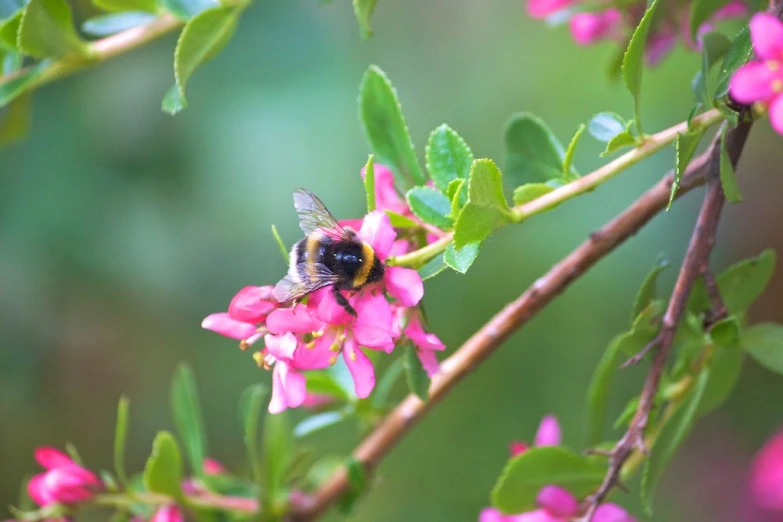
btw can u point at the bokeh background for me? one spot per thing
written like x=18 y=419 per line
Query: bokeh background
x=122 y=227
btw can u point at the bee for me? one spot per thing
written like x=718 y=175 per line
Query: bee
x=328 y=255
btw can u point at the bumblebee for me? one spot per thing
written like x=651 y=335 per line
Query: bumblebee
x=328 y=255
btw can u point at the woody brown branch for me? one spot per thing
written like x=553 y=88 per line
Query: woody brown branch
x=483 y=343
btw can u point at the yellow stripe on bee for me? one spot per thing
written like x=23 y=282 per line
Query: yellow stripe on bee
x=368 y=255
x=313 y=244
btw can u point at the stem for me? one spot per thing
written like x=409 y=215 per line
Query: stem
x=99 y=51
x=202 y=500
x=586 y=183
x=483 y=343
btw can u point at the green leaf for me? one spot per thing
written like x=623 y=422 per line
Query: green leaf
x=457 y=193
x=644 y=328
x=278 y=451
x=460 y=260
x=448 y=157
x=725 y=368
x=524 y=475
x=486 y=209
x=714 y=47
x=532 y=152
x=742 y=283
x=369 y=183
x=685 y=145
x=384 y=124
x=415 y=375
x=728 y=178
x=187 y=9
x=46 y=31
x=173 y=102
x=188 y=418
x=598 y=392
x=203 y=37
x=764 y=342
x=647 y=292
x=400 y=221
x=72 y=452
x=318 y=422
x=363 y=10
x=569 y=173
x=624 y=139
x=701 y=11
x=738 y=54
x=9 y=29
x=431 y=206
x=606 y=125
x=150 y=6
x=633 y=59
x=250 y=405
x=433 y=267
x=16 y=121
x=16 y=87
x=726 y=331
x=671 y=437
x=163 y=472
x=120 y=437
x=381 y=392
x=530 y=191
x=324 y=383
x=113 y=23
x=357 y=480
x=280 y=244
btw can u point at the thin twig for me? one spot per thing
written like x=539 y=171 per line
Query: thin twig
x=483 y=343
x=696 y=262
x=718 y=308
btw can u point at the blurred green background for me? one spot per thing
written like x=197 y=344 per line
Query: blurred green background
x=121 y=228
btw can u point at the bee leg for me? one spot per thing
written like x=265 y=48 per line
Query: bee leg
x=342 y=301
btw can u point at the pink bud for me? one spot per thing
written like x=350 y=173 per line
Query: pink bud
x=548 y=433
x=557 y=501
x=517 y=448
x=766 y=476
x=50 y=458
x=588 y=28
x=213 y=467
x=612 y=513
x=169 y=513
x=544 y=8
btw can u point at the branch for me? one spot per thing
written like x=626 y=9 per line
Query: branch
x=483 y=343
x=695 y=263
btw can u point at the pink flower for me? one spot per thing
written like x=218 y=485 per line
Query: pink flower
x=386 y=195
x=64 y=481
x=249 y=307
x=548 y=433
x=588 y=28
x=544 y=8
x=168 y=513
x=659 y=43
x=316 y=400
x=426 y=344
x=762 y=80
x=766 y=476
x=213 y=467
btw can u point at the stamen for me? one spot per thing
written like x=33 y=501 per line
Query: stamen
x=244 y=345
x=259 y=358
x=310 y=345
x=335 y=347
x=332 y=360
x=352 y=355
x=777 y=85
x=773 y=65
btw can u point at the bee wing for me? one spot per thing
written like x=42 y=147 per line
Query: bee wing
x=293 y=286
x=314 y=216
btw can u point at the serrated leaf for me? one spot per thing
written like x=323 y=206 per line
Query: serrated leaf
x=742 y=283
x=486 y=209
x=113 y=23
x=15 y=124
x=598 y=391
x=318 y=422
x=633 y=59
x=685 y=145
x=363 y=10
x=569 y=173
x=251 y=404
x=530 y=191
x=606 y=125
x=188 y=417
x=163 y=472
x=47 y=31
x=701 y=11
x=384 y=124
x=369 y=183
x=120 y=437
x=149 y=6
x=532 y=152
x=714 y=47
x=187 y=9
x=9 y=29
x=415 y=375
x=431 y=206
x=461 y=260
x=738 y=54
x=448 y=157
x=278 y=451
x=524 y=475
x=692 y=114
x=624 y=139
x=400 y=221
x=647 y=292
x=457 y=193
x=728 y=177
x=764 y=342
x=16 y=87
x=203 y=37
x=670 y=438
x=433 y=267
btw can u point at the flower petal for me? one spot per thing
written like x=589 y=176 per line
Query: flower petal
x=318 y=354
x=386 y=195
x=491 y=515
x=518 y=448
x=37 y=491
x=50 y=458
x=404 y=284
x=297 y=320
x=544 y=8
x=223 y=324
x=252 y=304
x=329 y=311
x=281 y=346
x=373 y=326
x=751 y=83
x=378 y=232
x=612 y=513
x=294 y=385
x=277 y=403
x=658 y=46
x=558 y=502
x=213 y=467
x=766 y=475
x=766 y=33
x=360 y=367
x=776 y=114
x=539 y=515
x=588 y=28
x=169 y=513
x=429 y=361
x=422 y=339
x=548 y=433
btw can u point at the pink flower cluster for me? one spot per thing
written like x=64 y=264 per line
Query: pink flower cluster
x=766 y=476
x=613 y=24
x=761 y=81
x=311 y=336
x=555 y=504
x=63 y=482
